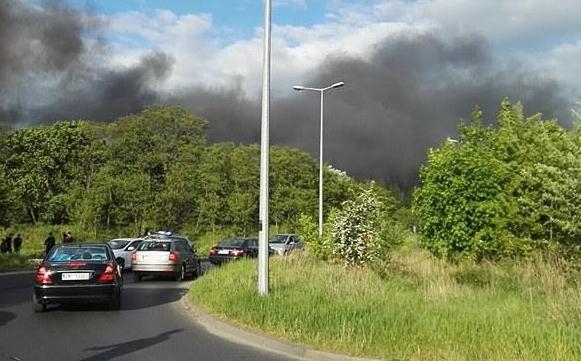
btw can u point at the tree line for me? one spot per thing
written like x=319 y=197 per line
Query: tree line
x=152 y=170
x=507 y=189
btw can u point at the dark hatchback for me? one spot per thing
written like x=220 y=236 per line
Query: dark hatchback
x=78 y=272
x=230 y=249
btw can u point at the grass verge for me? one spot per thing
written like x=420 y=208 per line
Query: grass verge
x=423 y=310
x=18 y=262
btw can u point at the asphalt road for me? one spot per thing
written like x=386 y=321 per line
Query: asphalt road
x=152 y=325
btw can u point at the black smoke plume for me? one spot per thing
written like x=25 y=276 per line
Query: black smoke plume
x=408 y=95
x=53 y=65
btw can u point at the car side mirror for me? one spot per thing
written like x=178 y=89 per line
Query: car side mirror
x=130 y=248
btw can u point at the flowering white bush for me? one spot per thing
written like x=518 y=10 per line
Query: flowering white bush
x=356 y=231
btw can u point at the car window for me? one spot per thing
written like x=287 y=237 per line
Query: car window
x=118 y=243
x=253 y=243
x=231 y=242
x=135 y=243
x=155 y=245
x=279 y=238
x=181 y=246
x=65 y=254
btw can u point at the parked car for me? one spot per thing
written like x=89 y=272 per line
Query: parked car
x=284 y=244
x=78 y=272
x=165 y=255
x=234 y=248
x=122 y=248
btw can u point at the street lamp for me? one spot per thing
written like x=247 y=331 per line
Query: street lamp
x=321 y=91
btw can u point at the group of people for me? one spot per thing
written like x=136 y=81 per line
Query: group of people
x=50 y=241
x=9 y=241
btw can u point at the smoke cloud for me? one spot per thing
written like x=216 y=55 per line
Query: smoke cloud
x=407 y=96
x=53 y=67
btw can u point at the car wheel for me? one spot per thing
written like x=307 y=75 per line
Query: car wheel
x=136 y=277
x=115 y=303
x=181 y=275
x=38 y=307
x=197 y=270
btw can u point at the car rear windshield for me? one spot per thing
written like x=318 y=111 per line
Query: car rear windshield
x=278 y=239
x=65 y=254
x=118 y=243
x=155 y=246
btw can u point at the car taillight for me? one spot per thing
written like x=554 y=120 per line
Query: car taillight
x=237 y=252
x=109 y=275
x=173 y=257
x=43 y=276
x=213 y=252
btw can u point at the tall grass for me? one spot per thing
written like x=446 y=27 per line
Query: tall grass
x=420 y=309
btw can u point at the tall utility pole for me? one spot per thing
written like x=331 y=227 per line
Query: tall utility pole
x=264 y=152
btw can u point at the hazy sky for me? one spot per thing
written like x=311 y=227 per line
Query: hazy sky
x=413 y=69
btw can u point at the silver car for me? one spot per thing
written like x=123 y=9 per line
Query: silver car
x=122 y=248
x=283 y=244
x=163 y=255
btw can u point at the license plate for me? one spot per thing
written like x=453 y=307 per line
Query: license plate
x=223 y=251
x=76 y=276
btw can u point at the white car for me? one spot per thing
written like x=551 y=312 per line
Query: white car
x=122 y=248
x=283 y=244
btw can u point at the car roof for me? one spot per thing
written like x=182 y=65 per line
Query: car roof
x=125 y=239
x=81 y=245
x=162 y=237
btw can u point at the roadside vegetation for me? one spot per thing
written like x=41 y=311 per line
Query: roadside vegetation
x=423 y=309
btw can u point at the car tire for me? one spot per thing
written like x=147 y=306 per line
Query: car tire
x=181 y=274
x=197 y=272
x=38 y=307
x=137 y=277
x=115 y=303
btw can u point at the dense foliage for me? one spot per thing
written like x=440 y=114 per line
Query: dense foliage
x=502 y=191
x=152 y=170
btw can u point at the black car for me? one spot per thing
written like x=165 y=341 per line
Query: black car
x=78 y=272
x=230 y=249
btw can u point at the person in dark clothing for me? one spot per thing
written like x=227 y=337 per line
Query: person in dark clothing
x=17 y=243
x=49 y=243
x=3 y=246
x=8 y=243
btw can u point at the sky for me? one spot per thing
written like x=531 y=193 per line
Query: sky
x=413 y=70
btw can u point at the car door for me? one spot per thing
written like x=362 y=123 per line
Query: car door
x=253 y=247
x=186 y=253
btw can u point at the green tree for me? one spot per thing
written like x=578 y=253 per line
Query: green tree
x=500 y=191
x=41 y=163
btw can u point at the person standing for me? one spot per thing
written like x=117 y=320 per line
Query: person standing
x=8 y=241
x=49 y=243
x=17 y=243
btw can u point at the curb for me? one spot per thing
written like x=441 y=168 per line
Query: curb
x=224 y=329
